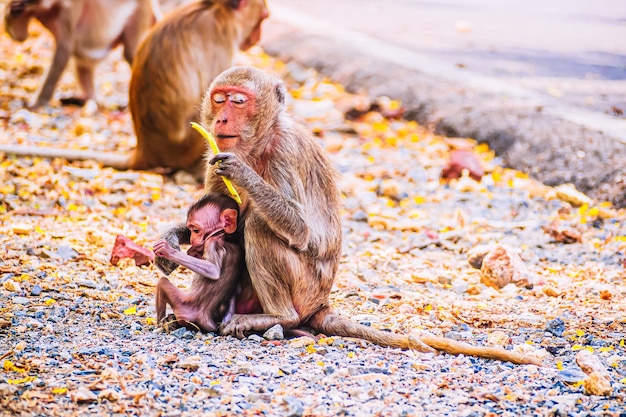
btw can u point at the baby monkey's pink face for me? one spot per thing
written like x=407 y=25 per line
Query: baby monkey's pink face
x=209 y=222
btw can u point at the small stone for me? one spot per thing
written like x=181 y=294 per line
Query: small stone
x=255 y=338
x=87 y=283
x=569 y=193
x=295 y=408
x=556 y=327
x=551 y=291
x=11 y=285
x=572 y=375
x=598 y=384
x=34 y=323
x=109 y=394
x=498 y=338
x=300 y=342
x=191 y=363
x=83 y=395
x=20 y=300
x=36 y=290
x=359 y=216
x=274 y=333
x=598 y=381
x=66 y=252
x=6 y=390
x=22 y=228
x=503 y=266
x=406 y=309
x=180 y=332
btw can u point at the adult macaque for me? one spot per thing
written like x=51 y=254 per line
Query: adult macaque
x=84 y=29
x=290 y=214
x=172 y=68
x=216 y=257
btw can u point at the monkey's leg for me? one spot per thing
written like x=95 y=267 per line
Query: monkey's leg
x=165 y=291
x=85 y=75
x=187 y=312
x=271 y=268
x=59 y=62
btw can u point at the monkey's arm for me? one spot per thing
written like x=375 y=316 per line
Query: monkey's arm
x=174 y=236
x=278 y=207
x=200 y=266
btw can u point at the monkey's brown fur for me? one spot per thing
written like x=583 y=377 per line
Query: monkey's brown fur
x=290 y=214
x=216 y=245
x=83 y=30
x=173 y=66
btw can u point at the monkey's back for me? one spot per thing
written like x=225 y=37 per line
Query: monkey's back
x=173 y=66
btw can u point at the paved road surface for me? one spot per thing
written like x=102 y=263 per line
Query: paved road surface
x=544 y=83
x=574 y=50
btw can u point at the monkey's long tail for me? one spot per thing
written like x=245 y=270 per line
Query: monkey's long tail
x=113 y=160
x=329 y=323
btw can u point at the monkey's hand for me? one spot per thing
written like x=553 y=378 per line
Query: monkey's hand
x=175 y=236
x=163 y=250
x=233 y=168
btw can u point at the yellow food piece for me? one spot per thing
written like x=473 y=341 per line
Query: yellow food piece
x=216 y=150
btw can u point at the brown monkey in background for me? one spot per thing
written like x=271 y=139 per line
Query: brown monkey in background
x=216 y=257
x=173 y=66
x=84 y=29
x=290 y=214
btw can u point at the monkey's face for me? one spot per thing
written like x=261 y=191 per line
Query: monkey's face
x=233 y=108
x=209 y=223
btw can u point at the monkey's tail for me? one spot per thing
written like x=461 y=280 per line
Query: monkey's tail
x=327 y=322
x=109 y=159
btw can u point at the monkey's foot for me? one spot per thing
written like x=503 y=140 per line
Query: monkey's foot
x=73 y=101
x=170 y=323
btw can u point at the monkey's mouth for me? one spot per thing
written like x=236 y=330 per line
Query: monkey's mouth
x=227 y=141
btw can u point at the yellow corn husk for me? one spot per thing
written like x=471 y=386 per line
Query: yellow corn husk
x=216 y=150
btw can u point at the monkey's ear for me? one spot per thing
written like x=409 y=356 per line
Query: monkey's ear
x=281 y=92
x=229 y=220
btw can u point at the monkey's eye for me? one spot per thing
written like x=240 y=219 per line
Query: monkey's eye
x=219 y=98
x=238 y=98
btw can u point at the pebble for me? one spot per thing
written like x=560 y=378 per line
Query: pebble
x=83 y=395
x=555 y=327
x=21 y=300
x=36 y=290
x=255 y=338
x=274 y=333
x=12 y=286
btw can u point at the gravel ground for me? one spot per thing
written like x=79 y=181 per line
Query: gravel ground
x=77 y=334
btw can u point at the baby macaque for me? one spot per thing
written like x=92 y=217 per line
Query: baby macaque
x=217 y=258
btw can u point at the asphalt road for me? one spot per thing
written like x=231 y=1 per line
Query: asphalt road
x=571 y=50
x=543 y=83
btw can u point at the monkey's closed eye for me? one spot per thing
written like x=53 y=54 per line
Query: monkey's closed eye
x=219 y=98
x=238 y=98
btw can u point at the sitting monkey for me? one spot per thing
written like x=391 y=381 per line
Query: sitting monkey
x=216 y=257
